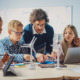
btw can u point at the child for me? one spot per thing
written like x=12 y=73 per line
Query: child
x=6 y=56
x=70 y=40
x=12 y=43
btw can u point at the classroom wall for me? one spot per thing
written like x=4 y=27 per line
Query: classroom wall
x=7 y=4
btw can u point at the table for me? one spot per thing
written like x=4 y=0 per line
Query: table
x=44 y=73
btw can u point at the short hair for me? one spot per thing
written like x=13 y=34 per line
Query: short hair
x=14 y=23
x=0 y=19
x=37 y=15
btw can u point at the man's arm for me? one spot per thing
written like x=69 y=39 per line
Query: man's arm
x=49 y=41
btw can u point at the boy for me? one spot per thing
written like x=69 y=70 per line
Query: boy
x=12 y=43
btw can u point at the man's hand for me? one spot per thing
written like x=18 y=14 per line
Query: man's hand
x=5 y=58
x=47 y=56
x=27 y=57
x=41 y=57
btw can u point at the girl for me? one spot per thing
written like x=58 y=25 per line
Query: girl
x=71 y=39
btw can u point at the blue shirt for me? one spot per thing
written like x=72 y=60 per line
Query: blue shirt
x=45 y=38
x=13 y=50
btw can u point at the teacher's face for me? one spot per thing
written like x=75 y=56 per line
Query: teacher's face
x=39 y=26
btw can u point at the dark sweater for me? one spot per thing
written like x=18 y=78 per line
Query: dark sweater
x=41 y=38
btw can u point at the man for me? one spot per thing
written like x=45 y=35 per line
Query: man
x=6 y=56
x=44 y=33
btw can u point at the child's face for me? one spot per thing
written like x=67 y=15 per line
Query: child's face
x=16 y=34
x=69 y=35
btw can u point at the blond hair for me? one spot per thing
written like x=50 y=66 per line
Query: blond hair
x=14 y=23
x=64 y=42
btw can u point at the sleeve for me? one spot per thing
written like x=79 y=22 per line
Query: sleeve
x=49 y=41
x=2 y=50
x=21 y=52
x=18 y=57
x=27 y=35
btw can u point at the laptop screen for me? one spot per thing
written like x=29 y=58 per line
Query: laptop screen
x=72 y=56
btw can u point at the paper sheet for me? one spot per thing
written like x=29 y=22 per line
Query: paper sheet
x=76 y=69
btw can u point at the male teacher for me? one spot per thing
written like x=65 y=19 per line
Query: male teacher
x=44 y=33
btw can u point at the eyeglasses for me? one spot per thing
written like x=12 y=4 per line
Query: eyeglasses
x=39 y=25
x=17 y=33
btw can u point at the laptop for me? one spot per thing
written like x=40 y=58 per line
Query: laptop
x=72 y=56
x=7 y=70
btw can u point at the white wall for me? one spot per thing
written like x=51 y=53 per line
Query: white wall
x=5 y=4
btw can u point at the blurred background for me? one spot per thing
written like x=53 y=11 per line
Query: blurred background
x=60 y=13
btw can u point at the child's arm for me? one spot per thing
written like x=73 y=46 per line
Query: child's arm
x=5 y=58
x=54 y=53
x=1 y=64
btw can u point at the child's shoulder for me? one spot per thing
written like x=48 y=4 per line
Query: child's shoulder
x=22 y=41
x=5 y=40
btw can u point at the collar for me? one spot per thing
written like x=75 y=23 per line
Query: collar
x=10 y=42
x=34 y=31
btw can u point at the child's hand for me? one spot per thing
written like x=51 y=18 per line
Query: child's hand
x=27 y=57
x=5 y=58
x=77 y=41
x=54 y=54
x=59 y=42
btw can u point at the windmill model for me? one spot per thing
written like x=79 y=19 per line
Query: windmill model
x=59 y=50
x=31 y=46
x=58 y=55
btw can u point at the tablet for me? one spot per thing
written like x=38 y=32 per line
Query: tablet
x=50 y=65
x=7 y=70
x=72 y=56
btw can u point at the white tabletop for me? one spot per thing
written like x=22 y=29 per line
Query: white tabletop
x=44 y=73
